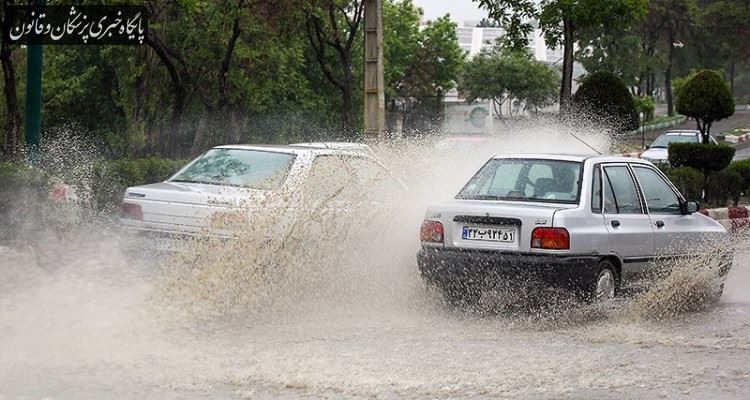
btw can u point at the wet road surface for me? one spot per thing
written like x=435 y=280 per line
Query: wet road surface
x=87 y=324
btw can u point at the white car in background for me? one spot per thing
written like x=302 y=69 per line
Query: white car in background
x=585 y=222
x=658 y=151
x=238 y=180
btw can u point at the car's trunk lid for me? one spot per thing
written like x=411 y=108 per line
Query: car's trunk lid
x=469 y=224
x=191 y=207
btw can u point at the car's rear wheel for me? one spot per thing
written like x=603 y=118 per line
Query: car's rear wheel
x=605 y=285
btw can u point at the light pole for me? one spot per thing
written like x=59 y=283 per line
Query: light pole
x=643 y=130
x=33 y=114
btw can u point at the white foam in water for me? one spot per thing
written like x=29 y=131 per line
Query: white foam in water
x=339 y=311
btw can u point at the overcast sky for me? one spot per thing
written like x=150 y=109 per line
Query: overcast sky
x=459 y=10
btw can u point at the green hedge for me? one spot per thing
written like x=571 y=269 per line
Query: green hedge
x=689 y=181
x=24 y=199
x=723 y=186
x=704 y=157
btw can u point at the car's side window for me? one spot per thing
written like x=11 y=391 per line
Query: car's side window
x=329 y=179
x=596 y=191
x=660 y=198
x=620 y=194
x=368 y=172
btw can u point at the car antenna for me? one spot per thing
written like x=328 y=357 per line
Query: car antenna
x=587 y=145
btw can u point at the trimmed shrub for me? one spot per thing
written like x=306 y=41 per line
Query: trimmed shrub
x=604 y=97
x=706 y=98
x=704 y=157
x=689 y=181
x=724 y=185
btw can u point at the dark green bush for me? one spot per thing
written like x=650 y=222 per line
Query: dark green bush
x=24 y=197
x=604 y=97
x=111 y=178
x=704 y=157
x=724 y=185
x=689 y=181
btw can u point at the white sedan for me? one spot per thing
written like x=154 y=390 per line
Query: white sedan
x=658 y=151
x=241 y=180
x=586 y=222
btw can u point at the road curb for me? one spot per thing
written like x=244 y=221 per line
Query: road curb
x=735 y=139
x=733 y=218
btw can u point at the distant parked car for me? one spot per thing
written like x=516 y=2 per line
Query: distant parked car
x=232 y=181
x=583 y=222
x=658 y=150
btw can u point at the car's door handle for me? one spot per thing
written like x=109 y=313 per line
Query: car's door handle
x=659 y=224
x=615 y=223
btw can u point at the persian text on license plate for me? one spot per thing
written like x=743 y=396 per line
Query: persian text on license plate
x=502 y=235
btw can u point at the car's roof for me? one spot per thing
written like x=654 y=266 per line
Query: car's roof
x=314 y=148
x=573 y=157
x=682 y=132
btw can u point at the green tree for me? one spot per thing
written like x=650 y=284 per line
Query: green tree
x=401 y=42
x=725 y=28
x=560 y=21
x=334 y=26
x=12 y=126
x=420 y=64
x=604 y=98
x=501 y=74
x=675 y=18
x=706 y=98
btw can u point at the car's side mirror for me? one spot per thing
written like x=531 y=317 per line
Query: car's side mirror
x=691 y=207
x=648 y=146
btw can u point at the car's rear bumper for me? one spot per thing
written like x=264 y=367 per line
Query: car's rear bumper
x=451 y=267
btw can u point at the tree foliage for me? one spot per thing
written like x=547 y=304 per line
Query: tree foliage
x=421 y=64
x=604 y=98
x=503 y=74
x=706 y=98
x=560 y=20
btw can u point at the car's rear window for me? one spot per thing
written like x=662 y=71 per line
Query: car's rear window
x=665 y=140
x=255 y=169
x=538 y=180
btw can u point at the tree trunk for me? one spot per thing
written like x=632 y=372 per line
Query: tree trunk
x=731 y=76
x=668 y=75
x=347 y=99
x=179 y=91
x=567 y=72
x=13 y=122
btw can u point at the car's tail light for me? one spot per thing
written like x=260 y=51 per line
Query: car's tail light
x=431 y=231
x=550 y=238
x=131 y=211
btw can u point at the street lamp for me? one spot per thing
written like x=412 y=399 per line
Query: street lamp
x=643 y=130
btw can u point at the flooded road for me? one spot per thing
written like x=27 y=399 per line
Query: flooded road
x=91 y=316
x=89 y=326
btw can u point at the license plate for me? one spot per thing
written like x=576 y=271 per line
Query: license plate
x=486 y=234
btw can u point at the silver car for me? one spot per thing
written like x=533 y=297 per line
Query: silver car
x=589 y=222
x=230 y=184
x=658 y=151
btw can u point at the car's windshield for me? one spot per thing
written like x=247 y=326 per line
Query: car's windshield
x=663 y=141
x=263 y=170
x=525 y=180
